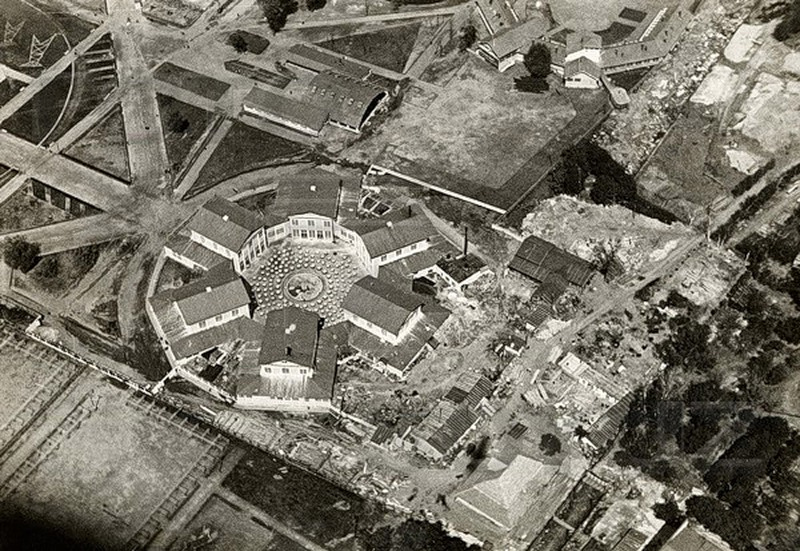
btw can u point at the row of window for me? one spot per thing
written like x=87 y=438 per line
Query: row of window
x=312 y=234
x=284 y=370
x=218 y=319
x=311 y=223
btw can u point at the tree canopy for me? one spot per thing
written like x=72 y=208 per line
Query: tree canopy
x=537 y=60
x=277 y=12
x=20 y=254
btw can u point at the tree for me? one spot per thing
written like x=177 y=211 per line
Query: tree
x=178 y=123
x=537 y=60
x=468 y=36
x=277 y=11
x=314 y=5
x=20 y=254
x=550 y=444
x=790 y=24
x=238 y=42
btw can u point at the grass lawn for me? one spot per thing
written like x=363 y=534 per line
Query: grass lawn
x=55 y=273
x=259 y=203
x=104 y=146
x=201 y=85
x=243 y=149
x=34 y=120
x=183 y=126
x=111 y=473
x=22 y=211
x=310 y=505
x=388 y=48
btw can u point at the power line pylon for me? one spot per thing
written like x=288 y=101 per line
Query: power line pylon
x=10 y=32
x=38 y=49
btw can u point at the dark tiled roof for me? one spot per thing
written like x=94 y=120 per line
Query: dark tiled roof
x=290 y=334
x=607 y=426
x=580 y=40
x=452 y=422
x=225 y=223
x=346 y=99
x=461 y=268
x=195 y=252
x=310 y=191
x=538 y=315
x=298 y=112
x=537 y=259
x=243 y=329
x=380 y=303
x=219 y=291
x=582 y=65
x=319 y=59
x=386 y=239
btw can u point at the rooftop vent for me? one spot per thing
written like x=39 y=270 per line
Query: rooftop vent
x=313 y=188
x=208 y=289
x=289 y=330
x=225 y=217
x=388 y=224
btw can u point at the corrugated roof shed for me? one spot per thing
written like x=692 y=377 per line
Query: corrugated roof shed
x=381 y=303
x=225 y=223
x=219 y=291
x=389 y=238
x=346 y=99
x=310 y=191
x=537 y=259
x=298 y=112
x=313 y=58
x=445 y=425
x=470 y=388
x=461 y=268
x=290 y=335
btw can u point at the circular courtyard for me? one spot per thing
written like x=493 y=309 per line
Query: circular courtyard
x=314 y=277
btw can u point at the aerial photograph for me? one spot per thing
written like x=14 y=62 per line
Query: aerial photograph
x=400 y=275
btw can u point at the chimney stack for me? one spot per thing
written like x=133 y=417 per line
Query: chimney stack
x=466 y=239
x=208 y=289
x=288 y=351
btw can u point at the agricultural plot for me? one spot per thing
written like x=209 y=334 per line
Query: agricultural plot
x=109 y=466
x=104 y=146
x=312 y=506
x=388 y=48
x=32 y=375
x=243 y=149
x=196 y=83
x=183 y=126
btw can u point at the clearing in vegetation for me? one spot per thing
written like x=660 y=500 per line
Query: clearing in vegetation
x=243 y=149
x=104 y=146
x=387 y=48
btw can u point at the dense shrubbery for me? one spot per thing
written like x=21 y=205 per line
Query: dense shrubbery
x=748 y=181
x=277 y=12
x=790 y=24
x=20 y=254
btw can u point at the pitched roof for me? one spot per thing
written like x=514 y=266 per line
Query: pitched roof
x=537 y=259
x=225 y=223
x=381 y=303
x=320 y=58
x=219 y=291
x=185 y=247
x=461 y=268
x=579 y=40
x=389 y=238
x=244 y=329
x=309 y=191
x=693 y=538
x=291 y=335
x=582 y=65
x=470 y=388
x=348 y=100
x=503 y=498
x=445 y=425
x=298 y=112
x=518 y=37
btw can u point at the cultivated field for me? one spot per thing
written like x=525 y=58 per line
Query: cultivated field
x=110 y=467
x=388 y=48
x=478 y=128
x=201 y=85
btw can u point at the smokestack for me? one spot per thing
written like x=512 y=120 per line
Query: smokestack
x=409 y=211
x=466 y=240
x=288 y=351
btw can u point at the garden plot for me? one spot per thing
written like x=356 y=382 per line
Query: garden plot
x=104 y=146
x=388 y=48
x=110 y=473
x=183 y=126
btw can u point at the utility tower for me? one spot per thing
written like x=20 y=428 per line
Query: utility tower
x=38 y=49
x=10 y=33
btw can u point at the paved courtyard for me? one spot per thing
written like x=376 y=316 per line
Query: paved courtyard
x=309 y=275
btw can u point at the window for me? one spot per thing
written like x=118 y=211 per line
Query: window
x=320 y=234
x=303 y=371
x=285 y=370
x=295 y=233
x=383 y=258
x=294 y=222
x=218 y=318
x=311 y=223
x=267 y=370
x=327 y=223
x=202 y=324
x=303 y=234
x=398 y=253
x=327 y=235
x=414 y=246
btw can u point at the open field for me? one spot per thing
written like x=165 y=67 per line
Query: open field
x=201 y=85
x=388 y=48
x=183 y=126
x=22 y=211
x=56 y=273
x=104 y=146
x=236 y=529
x=243 y=149
x=109 y=473
x=573 y=13
x=485 y=144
